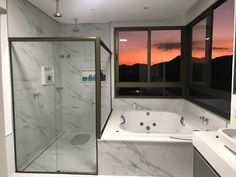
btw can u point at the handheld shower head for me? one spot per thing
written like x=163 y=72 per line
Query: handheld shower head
x=57 y=13
x=76 y=28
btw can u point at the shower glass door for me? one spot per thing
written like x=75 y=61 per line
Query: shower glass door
x=34 y=106
x=76 y=148
x=54 y=95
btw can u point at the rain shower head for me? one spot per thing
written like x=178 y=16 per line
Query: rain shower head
x=76 y=28
x=57 y=13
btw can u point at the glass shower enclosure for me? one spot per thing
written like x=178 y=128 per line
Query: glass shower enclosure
x=61 y=90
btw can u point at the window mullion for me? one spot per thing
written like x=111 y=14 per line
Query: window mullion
x=209 y=30
x=149 y=56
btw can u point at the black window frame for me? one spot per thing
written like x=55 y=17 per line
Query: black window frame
x=148 y=83
x=208 y=14
x=185 y=71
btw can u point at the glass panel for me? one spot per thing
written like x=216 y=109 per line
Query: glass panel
x=149 y=91
x=222 y=46
x=217 y=104
x=106 y=86
x=165 y=55
x=174 y=92
x=76 y=147
x=34 y=106
x=55 y=106
x=140 y=91
x=199 y=60
x=132 y=56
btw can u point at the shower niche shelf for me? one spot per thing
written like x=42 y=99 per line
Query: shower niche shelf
x=47 y=75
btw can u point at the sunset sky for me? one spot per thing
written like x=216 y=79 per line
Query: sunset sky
x=166 y=44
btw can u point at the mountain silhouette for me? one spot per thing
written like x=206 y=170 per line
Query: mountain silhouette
x=138 y=72
x=221 y=70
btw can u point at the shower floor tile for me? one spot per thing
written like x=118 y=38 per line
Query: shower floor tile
x=70 y=153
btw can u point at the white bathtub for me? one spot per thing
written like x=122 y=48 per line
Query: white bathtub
x=148 y=126
x=148 y=143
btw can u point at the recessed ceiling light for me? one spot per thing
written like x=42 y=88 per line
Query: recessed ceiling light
x=123 y=40
x=146 y=8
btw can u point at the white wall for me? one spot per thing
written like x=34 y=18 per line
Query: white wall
x=3 y=164
x=3 y=4
x=5 y=76
x=199 y=7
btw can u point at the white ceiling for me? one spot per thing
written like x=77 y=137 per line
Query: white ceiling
x=105 y=11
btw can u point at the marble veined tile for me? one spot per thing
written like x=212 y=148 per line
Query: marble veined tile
x=145 y=159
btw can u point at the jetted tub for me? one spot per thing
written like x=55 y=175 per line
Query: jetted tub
x=146 y=143
x=148 y=126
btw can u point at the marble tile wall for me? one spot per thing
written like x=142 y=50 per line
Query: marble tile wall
x=101 y=30
x=37 y=121
x=120 y=158
x=78 y=98
x=25 y=20
x=88 y=30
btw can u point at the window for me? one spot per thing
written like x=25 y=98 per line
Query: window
x=148 y=62
x=133 y=56
x=211 y=59
x=199 y=59
x=222 y=46
x=165 y=55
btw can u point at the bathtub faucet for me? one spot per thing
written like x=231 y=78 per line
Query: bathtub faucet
x=204 y=119
x=182 y=121
x=123 y=120
x=135 y=107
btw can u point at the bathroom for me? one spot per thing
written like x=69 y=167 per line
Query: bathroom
x=128 y=88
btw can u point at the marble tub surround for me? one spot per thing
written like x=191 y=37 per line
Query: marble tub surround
x=147 y=126
x=145 y=159
x=171 y=105
x=193 y=113
x=189 y=110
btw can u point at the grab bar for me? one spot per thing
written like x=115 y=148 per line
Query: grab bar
x=177 y=138
x=123 y=118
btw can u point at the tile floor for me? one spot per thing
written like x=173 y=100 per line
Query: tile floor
x=65 y=155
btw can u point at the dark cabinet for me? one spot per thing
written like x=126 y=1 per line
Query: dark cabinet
x=201 y=167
